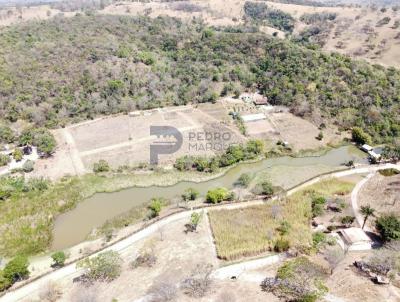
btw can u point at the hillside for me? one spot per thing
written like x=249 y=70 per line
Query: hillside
x=71 y=69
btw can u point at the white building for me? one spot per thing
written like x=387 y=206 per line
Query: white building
x=253 y=117
x=355 y=239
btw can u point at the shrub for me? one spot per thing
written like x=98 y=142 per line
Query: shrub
x=317 y=205
x=281 y=245
x=28 y=166
x=101 y=166
x=195 y=219
x=217 y=195
x=4 y=160
x=360 y=136
x=243 y=180
x=42 y=138
x=50 y=293
x=190 y=194
x=155 y=207
x=58 y=259
x=4 y=282
x=347 y=220
x=199 y=282
x=297 y=280
x=104 y=267
x=7 y=135
x=267 y=188
x=318 y=238
x=16 y=269
x=145 y=259
x=389 y=227
x=18 y=154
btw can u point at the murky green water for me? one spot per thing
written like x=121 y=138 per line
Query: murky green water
x=73 y=227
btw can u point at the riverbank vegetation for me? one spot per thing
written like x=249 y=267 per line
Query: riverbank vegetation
x=180 y=63
x=233 y=155
x=28 y=207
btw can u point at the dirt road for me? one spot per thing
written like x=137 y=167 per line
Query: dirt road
x=71 y=271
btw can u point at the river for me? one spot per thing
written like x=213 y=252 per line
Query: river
x=73 y=227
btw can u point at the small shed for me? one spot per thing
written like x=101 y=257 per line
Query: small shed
x=355 y=239
x=366 y=148
x=260 y=100
x=253 y=117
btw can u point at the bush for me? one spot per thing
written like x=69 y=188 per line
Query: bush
x=297 y=280
x=281 y=245
x=4 y=160
x=243 y=180
x=347 y=220
x=18 y=154
x=7 y=135
x=104 y=267
x=58 y=259
x=16 y=269
x=359 y=136
x=317 y=206
x=28 y=166
x=190 y=194
x=267 y=188
x=101 y=166
x=155 y=207
x=389 y=227
x=4 y=282
x=217 y=195
x=42 y=138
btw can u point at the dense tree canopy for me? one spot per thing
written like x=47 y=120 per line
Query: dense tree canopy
x=69 y=69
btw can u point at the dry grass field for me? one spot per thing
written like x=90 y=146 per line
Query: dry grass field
x=251 y=231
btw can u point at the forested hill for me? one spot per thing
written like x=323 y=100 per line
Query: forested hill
x=70 y=69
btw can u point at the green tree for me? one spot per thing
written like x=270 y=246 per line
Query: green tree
x=217 y=195
x=367 y=212
x=360 y=136
x=267 y=188
x=7 y=135
x=389 y=227
x=58 y=259
x=16 y=269
x=243 y=180
x=255 y=147
x=155 y=206
x=195 y=219
x=4 y=282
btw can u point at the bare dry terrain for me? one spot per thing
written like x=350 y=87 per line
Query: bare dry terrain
x=362 y=32
x=382 y=193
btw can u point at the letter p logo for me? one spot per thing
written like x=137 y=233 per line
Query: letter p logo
x=164 y=147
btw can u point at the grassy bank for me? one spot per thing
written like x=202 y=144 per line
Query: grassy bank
x=27 y=216
x=254 y=230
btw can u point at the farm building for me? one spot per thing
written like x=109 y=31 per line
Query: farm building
x=366 y=148
x=355 y=239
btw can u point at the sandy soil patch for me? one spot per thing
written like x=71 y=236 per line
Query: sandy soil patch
x=382 y=193
x=177 y=255
x=346 y=283
x=301 y=134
